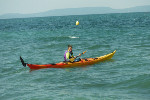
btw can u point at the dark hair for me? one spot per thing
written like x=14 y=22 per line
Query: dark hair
x=69 y=46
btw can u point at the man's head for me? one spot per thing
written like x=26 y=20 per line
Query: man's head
x=70 y=47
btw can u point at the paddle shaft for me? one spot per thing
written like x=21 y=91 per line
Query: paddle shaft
x=72 y=59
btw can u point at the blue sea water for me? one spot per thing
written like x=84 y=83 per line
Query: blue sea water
x=44 y=40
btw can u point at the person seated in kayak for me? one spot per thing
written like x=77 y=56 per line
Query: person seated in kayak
x=69 y=54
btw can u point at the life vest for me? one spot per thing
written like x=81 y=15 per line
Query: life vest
x=70 y=55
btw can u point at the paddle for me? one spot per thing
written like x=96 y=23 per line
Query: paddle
x=72 y=59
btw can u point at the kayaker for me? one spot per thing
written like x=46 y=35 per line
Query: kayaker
x=69 y=54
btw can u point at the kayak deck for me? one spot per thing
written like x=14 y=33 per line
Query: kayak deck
x=83 y=62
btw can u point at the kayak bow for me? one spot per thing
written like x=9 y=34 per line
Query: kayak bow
x=82 y=63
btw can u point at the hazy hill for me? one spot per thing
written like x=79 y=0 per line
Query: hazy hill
x=78 y=11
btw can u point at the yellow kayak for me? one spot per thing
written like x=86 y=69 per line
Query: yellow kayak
x=81 y=63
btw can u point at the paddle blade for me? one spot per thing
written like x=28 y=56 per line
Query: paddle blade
x=84 y=52
x=23 y=63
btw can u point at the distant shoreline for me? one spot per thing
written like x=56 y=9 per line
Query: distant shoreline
x=78 y=11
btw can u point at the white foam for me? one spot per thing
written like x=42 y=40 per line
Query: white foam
x=73 y=37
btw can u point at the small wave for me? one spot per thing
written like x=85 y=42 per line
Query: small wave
x=73 y=37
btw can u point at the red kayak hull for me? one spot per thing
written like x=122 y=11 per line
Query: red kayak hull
x=82 y=63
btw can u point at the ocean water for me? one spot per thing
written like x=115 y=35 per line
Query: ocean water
x=44 y=40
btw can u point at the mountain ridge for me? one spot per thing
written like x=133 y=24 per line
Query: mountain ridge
x=78 y=11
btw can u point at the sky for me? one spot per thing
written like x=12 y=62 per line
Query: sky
x=36 y=6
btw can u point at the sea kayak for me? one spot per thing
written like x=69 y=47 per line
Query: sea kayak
x=81 y=63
